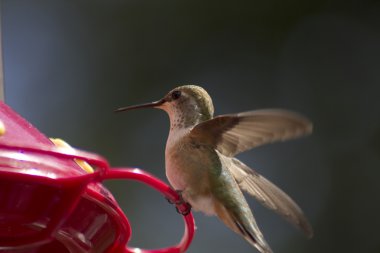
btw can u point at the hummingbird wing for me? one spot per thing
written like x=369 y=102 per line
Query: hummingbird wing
x=269 y=195
x=231 y=134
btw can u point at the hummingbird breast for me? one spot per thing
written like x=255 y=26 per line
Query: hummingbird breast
x=189 y=169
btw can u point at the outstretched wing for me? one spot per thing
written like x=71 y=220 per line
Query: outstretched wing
x=269 y=195
x=234 y=133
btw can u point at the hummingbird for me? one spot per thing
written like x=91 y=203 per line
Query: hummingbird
x=200 y=162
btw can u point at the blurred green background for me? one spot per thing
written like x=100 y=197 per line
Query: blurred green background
x=69 y=64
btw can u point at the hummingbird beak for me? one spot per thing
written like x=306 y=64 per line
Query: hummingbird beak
x=155 y=104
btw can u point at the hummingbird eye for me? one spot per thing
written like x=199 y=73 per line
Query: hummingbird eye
x=176 y=94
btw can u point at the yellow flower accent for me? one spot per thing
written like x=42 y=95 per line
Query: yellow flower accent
x=2 y=128
x=83 y=164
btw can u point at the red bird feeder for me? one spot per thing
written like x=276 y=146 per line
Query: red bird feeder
x=50 y=203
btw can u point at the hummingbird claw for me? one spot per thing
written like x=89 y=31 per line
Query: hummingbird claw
x=182 y=206
x=180 y=201
x=176 y=202
x=170 y=201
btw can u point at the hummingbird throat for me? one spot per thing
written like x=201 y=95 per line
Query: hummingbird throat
x=186 y=117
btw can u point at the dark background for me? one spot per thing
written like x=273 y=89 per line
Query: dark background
x=69 y=64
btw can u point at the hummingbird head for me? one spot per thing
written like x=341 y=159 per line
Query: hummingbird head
x=186 y=106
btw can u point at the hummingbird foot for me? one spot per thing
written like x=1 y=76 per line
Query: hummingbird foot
x=179 y=201
x=182 y=206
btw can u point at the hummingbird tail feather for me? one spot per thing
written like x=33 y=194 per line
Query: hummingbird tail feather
x=249 y=233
